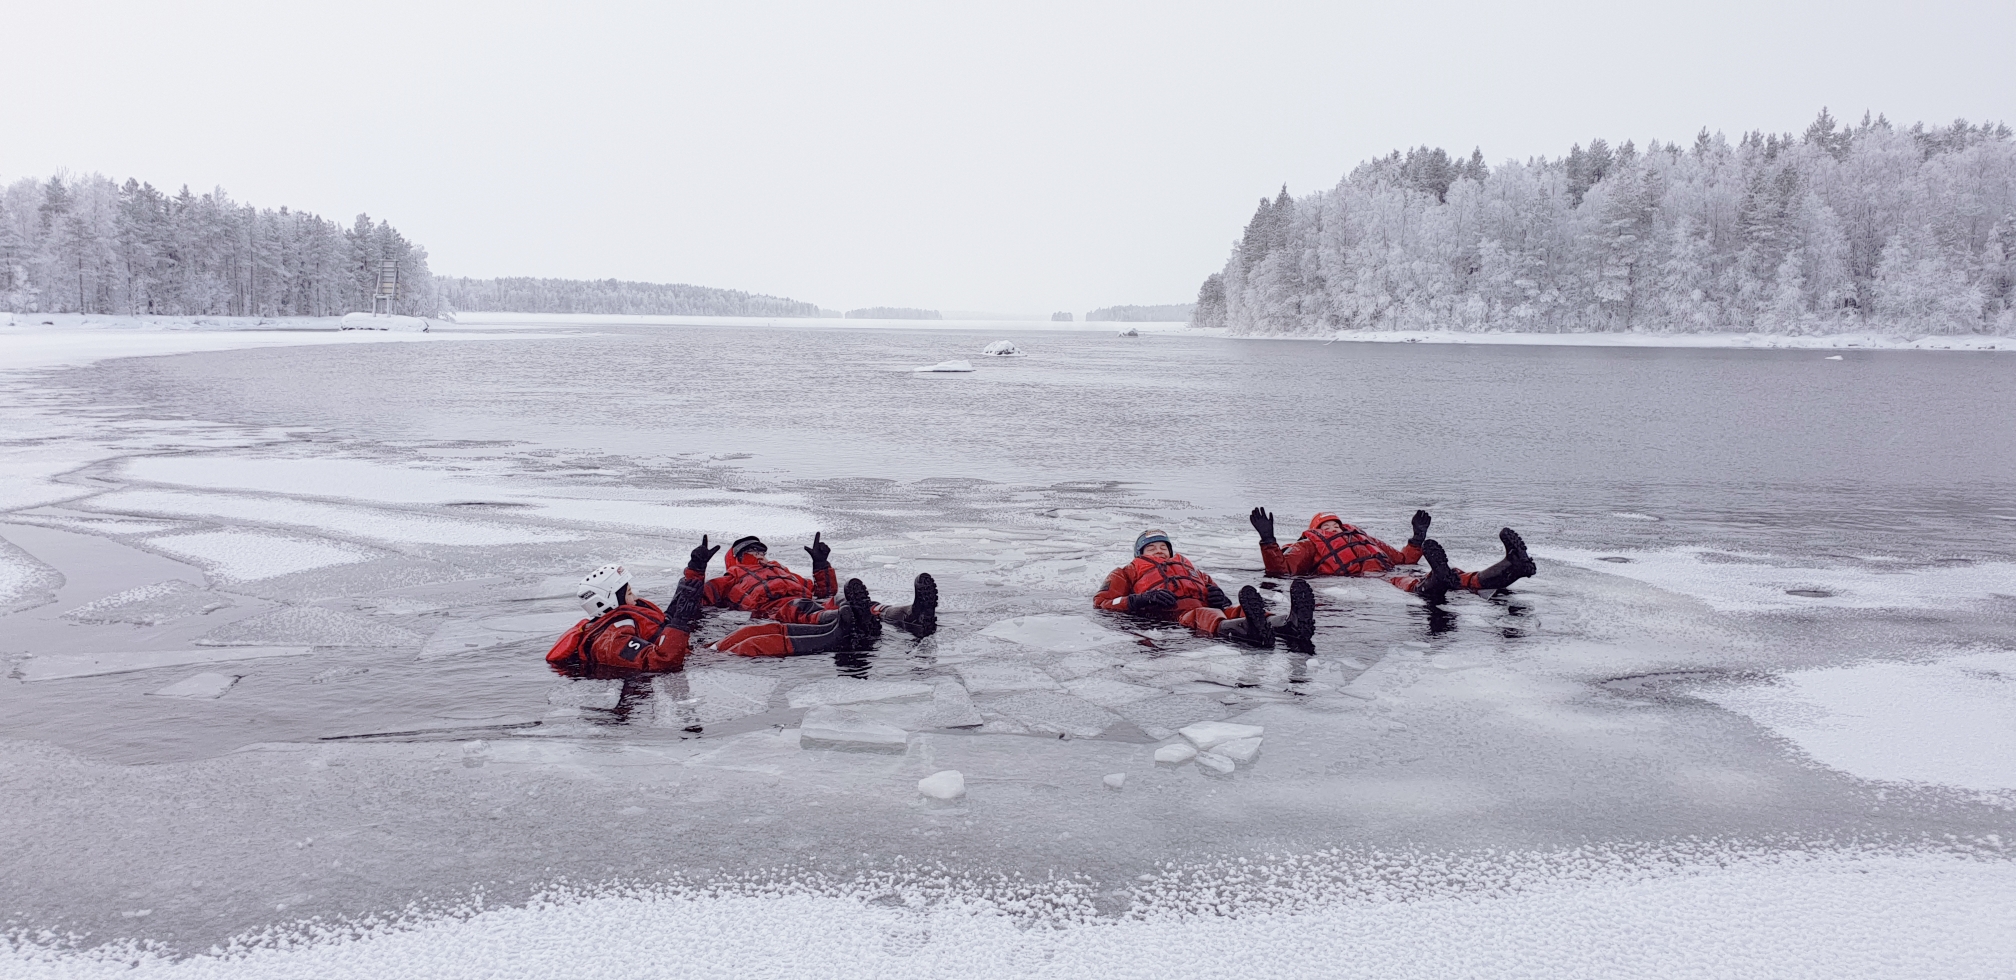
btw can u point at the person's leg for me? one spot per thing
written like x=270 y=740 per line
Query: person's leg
x=789 y=639
x=920 y=617
x=1252 y=626
x=800 y=611
x=1514 y=566
x=1440 y=578
x=1298 y=627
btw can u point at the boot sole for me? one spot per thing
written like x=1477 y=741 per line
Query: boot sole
x=923 y=618
x=867 y=626
x=1258 y=633
x=1515 y=549
x=1440 y=579
x=1302 y=610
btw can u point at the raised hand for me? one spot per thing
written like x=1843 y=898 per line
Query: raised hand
x=1262 y=522
x=701 y=555
x=819 y=550
x=1421 y=520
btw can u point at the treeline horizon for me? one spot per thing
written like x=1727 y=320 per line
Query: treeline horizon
x=1842 y=228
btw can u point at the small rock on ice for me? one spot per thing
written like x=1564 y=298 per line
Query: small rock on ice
x=1210 y=734
x=1130 y=332
x=947 y=785
x=1239 y=750
x=1212 y=762
x=947 y=367
x=1115 y=780
x=1175 y=755
x=200 y=687
x=843 y=728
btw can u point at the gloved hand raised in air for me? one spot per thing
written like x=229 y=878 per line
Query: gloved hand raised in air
x=1262 y=522
x=819 y=550
x=697 y=561
x=1152 y=601
x=1421 y=520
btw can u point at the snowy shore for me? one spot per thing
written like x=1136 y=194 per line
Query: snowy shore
x=1764 y=341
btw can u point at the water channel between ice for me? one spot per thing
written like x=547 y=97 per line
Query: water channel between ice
x=279 y=614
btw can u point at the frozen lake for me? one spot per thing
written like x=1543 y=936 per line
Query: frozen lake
x=278 y=617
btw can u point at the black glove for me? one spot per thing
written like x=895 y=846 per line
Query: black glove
x=697 y=561
x=1215 y=597
x=1262 y=522
x=683 y=613
x=1152 y=601
x=1421 y=520
x=819 y=551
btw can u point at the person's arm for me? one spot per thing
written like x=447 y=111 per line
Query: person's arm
x=1271 y=556
x=1119 y=585
x=823 y=582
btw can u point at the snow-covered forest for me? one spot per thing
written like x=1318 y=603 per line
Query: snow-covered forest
x=1865 y=227
x=86 y=244
x=526 y=295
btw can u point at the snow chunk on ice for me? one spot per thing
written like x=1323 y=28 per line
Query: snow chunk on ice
x=947 y=785
x=246 y=556
x=997 y=678
x=1058 y=634
x=48 y=667
x=840 y=728
x=1002 y=348
x=202 y=686
x=1115 y=780
x=1947 y=722
x=851 y=690
x=1210 y=734
x=1175 y=754
x=1239 y=750
x=947 y=367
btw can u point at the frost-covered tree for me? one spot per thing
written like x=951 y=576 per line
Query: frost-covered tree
x=87 y=244
x=1860 y=227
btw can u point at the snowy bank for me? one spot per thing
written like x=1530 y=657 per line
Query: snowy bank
x=39 y=341
x=521 y=320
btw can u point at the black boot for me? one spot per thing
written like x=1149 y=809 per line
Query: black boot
x=859 y=614
x=1514 y=566
x=1441 y=578
x=1252 y=628
x=920 y=617
x=1298 y=628
x=1421 y=520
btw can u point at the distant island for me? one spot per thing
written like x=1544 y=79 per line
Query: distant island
x=527 y=295
x=892 y=313
x=1839 y=229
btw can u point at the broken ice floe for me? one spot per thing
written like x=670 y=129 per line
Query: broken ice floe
x=312 y=626
x=1057 y=634
x=150 y=605
x=849 y=690
x=202 y=686
x=1003 y=678
x=1062 y=714
x=1214 y=763
x=947 y=367
x=246 y=556
x=946 y=785
x=599 y=693
x=55 y=666
x=1210 y=734
x=1161 y=717
x=830 y=727
x=724 y=695
x=463 y=635
x=1109 y=693
x=951 y=707
x=1240 y=750
x=1175 y=754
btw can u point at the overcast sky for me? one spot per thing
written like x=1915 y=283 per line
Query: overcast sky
x=1016 y=157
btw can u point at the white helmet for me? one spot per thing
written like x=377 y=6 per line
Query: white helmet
x=599 y=589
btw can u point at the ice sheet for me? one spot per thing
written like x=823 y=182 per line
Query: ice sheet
x=207 y=686
x=1057 y=634
x=54 y=666
x=311 y=626
x=1952 y=721
x=372 y=524
x=251 y=555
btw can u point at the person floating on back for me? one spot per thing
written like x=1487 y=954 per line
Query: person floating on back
x=1161 y=584
x=1332 y=547
x=625 y=634
x=767 y=590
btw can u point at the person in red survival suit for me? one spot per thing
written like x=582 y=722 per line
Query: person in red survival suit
x=1332 y=547
x=1161 y=584
x=768 y=590
x=627 y=635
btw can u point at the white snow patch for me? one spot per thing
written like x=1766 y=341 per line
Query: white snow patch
x=246 y=556
x=1115 y=780
x=207 y=685
x=349 y=521
x=947 y=367
x=1952 y=722
x=391 y=323
x=1752 y=583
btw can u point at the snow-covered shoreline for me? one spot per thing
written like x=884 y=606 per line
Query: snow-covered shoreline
x=40 y=341
x=1719 y=341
